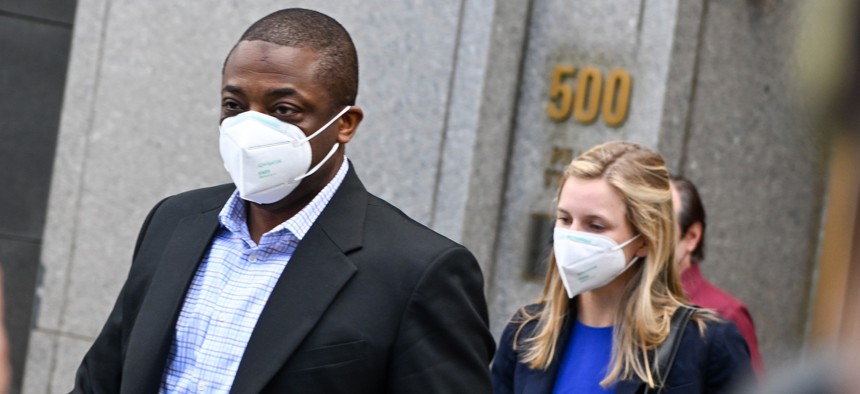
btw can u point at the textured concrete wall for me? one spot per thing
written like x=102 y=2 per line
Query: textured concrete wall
x=760 y=168
x=455 y=133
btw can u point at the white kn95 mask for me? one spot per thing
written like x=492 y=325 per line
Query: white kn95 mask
x=267 y=158
x=587 y=261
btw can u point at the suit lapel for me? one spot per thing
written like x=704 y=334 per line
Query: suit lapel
x=150 y=340
x=317 y=271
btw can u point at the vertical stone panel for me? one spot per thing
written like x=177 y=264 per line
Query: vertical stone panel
x=759 y=168
x=40 y=362
x=34 y=52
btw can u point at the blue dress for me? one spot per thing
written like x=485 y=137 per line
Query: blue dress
x=584 y=362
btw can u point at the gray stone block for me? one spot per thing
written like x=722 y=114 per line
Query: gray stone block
x=759 y=169
x=53 y=361
x=482 y=213
x=406 y=79
x=680 y=92
x=70 y=352
x=461 y=122
x=35 y=55
x=40 y=362
x=58 y=12
x=69 y=162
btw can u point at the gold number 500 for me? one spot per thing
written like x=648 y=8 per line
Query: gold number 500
x=586 y=101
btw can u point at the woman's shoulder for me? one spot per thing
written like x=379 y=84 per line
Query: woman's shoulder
x=527 y=311
x=706 y=329
x=521 y=324
x=713 y=353
x=720 y=345
x=523 y=314
x=714 y=329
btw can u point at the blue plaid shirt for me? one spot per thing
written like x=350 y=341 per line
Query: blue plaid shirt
x=228 y=293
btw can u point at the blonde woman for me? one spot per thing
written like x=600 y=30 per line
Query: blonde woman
x=611 y=292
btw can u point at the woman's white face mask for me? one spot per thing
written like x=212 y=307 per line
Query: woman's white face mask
x=587 y=261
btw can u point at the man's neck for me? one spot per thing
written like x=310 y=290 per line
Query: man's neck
x=263 y=218
x=684 y=264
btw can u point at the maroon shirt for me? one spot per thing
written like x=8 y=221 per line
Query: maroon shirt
x=706 y=295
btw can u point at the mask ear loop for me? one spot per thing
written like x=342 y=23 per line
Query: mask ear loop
x=634 y=259
x=330 y=152
x=317 y=167
x=325 y=126
x=630 y=264
x=619 y=247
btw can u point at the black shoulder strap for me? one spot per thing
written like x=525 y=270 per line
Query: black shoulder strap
x=667 y=350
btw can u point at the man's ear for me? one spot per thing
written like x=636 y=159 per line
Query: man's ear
x=348 y=123
x=693 y=236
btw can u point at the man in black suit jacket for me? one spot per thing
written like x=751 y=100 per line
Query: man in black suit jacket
x=366 y=301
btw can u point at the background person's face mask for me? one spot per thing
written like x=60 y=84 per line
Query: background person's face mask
x=587 y=261
x=267 y=158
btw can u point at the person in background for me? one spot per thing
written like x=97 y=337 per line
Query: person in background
x=690 y=251
x=294 y=278
x=612 y=294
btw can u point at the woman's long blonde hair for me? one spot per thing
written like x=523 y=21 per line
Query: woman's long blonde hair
x=654 y=292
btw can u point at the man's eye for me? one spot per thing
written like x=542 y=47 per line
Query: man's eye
x=283 y=110
x=231 y=105
x=562 y=220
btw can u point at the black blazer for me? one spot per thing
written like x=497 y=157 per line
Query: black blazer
x=371 y=302
x=713 y=363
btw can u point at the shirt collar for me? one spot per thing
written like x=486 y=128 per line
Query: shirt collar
x=234 y=214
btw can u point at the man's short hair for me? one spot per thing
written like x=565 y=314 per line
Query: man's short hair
x=337 y=66
x=691 y=211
